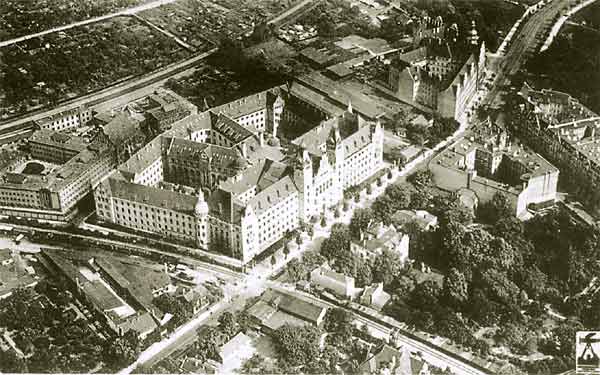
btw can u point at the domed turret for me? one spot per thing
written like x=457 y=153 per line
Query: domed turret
x=201 y=205
x=473 y=37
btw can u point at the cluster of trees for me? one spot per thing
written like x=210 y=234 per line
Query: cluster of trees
x=337 y=251
x=55 y=341
x=494 y=273
x=299 y=351
x=571 y=65
x=28 y=18
x=182 y=311
x=100 y=57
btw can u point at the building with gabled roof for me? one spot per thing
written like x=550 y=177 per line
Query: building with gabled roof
x=221 y=180
x=439 y=77
x=324 y=277
x=391 y=361
x=110 y=289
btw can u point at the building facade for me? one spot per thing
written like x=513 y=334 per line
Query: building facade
x=438 y=78
x=221 y=181
x=80 y=166
x=486 y=162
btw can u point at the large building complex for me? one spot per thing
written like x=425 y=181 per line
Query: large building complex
x=486 y=162
x=220 y=180
x=438 y=77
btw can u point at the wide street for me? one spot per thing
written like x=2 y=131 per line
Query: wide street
x=527 y=41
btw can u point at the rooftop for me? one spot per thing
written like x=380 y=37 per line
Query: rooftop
x=121 y=128
x=59 y=140
x=142 y=159
x=160 y=198
x=295 y=306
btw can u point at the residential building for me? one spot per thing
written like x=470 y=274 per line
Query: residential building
x=374 y=296
x=197 y=297
x=220 y=180
x=487 y=162
x=391 y=361
x=325 y=278
x=377 y=238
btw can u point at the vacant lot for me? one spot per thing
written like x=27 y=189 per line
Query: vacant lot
x=61 y=65
x=22 y=17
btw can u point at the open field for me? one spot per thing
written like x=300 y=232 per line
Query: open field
x=62 y=65
x=20 y=17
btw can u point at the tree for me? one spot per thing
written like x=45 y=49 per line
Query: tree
x=119 y=352
x=425 y=296
x=337 y=246
x=207 y=348
x=360 y=221
x=10 y=363
x=323 y=221
x=383 y=208
x=286 y=250
x=228 y=324
x=456 y=288
x=312 y=260
x=338 y=321
x=297 y=345
x=497 y=208
x=421 y=178
x=499 y=288
x=362 y=273
x=273 y=260
x=387 y=266
x=296 y=271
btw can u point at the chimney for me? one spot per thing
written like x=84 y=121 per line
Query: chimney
x=261 y=139
x=244 y=150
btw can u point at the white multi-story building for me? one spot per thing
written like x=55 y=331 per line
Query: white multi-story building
x=72 y=118
x=255 y=190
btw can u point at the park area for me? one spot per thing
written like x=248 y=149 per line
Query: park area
x=21 y=17
x=70 y=63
